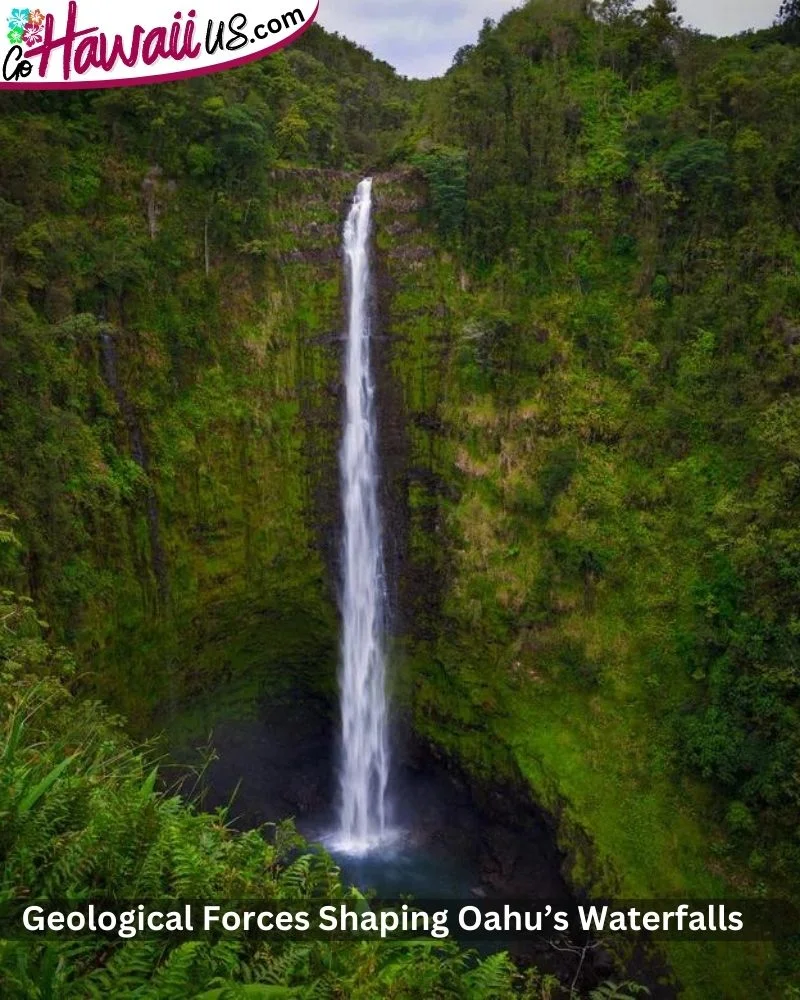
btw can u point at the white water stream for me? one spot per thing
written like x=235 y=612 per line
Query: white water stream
x=365 y=756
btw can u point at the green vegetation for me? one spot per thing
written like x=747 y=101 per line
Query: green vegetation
x=165 y=409
x=81 y=818
x=619 y=620
x=626 y=389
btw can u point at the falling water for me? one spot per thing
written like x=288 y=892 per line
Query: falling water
x=364 y=764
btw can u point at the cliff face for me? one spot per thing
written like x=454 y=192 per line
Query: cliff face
x=205 y=417
x=190 y=532
x=589 y=448
x=170 y=308
x=208 y=413
x=186 y=534
x=519 y=652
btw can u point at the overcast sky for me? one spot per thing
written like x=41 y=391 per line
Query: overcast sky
x=419 y=37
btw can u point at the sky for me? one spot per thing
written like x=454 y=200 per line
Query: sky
x=420 y=37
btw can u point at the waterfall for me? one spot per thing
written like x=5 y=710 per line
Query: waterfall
x=364 y=760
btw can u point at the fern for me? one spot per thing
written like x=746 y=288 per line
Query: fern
x=491 y=979
x=81 y=817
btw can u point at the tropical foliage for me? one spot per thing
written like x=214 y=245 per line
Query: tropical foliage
x=83 y=816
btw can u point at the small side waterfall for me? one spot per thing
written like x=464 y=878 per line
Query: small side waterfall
x=364 y=763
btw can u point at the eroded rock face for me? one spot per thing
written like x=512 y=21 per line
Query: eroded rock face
x=413 y=337
x=218 y=400
x=414 y=344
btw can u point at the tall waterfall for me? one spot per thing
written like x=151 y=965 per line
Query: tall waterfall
x=364 y=763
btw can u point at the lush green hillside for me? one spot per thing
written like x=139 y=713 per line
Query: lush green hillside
x=621 y=601
x=625 y=384
x=169 y=290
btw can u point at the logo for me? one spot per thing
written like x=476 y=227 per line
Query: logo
x=86 y=45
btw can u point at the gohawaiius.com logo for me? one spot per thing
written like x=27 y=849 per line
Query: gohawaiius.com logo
x=87 y=45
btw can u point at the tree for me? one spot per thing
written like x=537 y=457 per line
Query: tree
x=611 y=11
x=789 y=21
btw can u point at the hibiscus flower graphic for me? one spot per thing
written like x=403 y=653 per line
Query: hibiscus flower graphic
x=36 y=18
x=19 y=18
x=15 y=36
x=33 y=34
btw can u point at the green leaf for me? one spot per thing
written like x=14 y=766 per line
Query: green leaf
x=148 y=785
x=41 y=787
